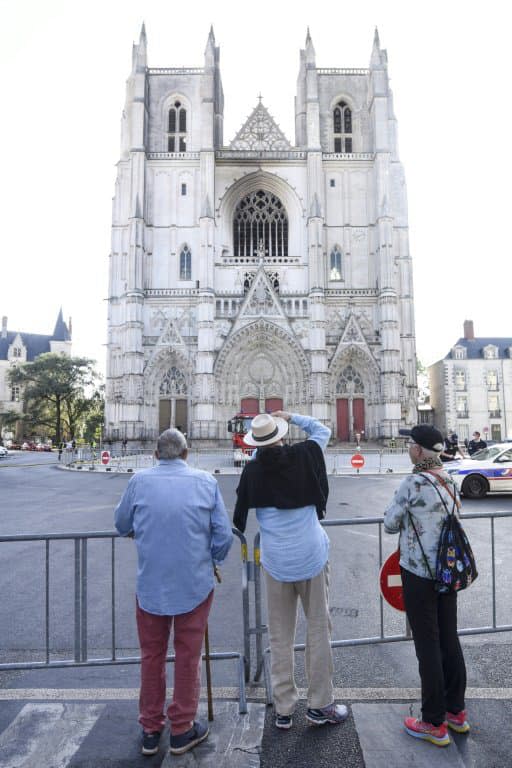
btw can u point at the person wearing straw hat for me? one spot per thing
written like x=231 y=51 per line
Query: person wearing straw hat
x=287 y=486
x=181 y=529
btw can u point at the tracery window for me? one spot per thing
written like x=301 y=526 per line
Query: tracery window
x=260 y=226
x=342 y=127
x=177 y=128
x=185 y=263
x=173 y=382
x=349 y=382
x=335 y=264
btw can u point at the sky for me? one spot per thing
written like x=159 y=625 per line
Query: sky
x=64 y=65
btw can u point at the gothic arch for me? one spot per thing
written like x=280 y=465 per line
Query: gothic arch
x=262 y=359
x=272 y=183
x=157 y=369
x=360 y=360
x=164 y=106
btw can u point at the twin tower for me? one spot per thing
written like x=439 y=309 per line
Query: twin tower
x=263 y=273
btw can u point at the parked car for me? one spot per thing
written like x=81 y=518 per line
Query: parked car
x=3 y=452
x=28 y=445
x=487 y=471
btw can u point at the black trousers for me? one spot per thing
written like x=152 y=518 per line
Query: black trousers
x=433 y=620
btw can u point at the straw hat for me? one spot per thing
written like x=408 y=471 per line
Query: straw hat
x=265 y=430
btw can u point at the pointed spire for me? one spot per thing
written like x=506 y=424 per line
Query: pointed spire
x=310 y=49
x=60 y=332
x=316 y=210
x=376 y=57
x=209 y=52
x=206 y=210
x=211 y=36
x=142 y=37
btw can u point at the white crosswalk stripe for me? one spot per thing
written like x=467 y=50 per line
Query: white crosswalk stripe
x=46 y=734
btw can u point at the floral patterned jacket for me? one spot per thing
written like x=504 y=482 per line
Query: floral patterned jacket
x=417 y=495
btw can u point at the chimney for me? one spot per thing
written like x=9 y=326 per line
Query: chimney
x=469 y=333
x=4 y=327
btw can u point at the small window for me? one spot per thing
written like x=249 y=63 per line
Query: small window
x=460 y=380
x=183 y=189
x=16 y=352
x=492 y=381
x=15 y=394
x=490 y=352
x=335 y=264
x=332 y=182
x=185 y=263
x=177 y=128
x=342 y=127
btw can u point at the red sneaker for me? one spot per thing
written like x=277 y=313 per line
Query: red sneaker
x=457 y=722
x=436 y=734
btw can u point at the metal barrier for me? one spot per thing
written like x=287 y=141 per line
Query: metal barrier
x=260 y=629
x=80 y=613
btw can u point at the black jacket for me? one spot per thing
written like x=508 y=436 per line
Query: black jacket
x=285 y=477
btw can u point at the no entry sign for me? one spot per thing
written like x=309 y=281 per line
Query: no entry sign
x=391 y=582
x=357 y=460
x=105 y=457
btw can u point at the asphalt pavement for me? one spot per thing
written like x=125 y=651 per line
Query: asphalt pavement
x=86 y=716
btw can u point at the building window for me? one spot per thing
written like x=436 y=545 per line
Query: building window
x=16 y=352
x=335 y=264
x=332 y=182
x=349 y=382
x=460 y=380
x=490 y=352
x=461 y=405
x=177 y=128
x=459 y=353
x=342 y=127
x=185 y=263
x=491 y=379
x=260 y=226
x=183 y=189
x=15 y=394
x=493 y=404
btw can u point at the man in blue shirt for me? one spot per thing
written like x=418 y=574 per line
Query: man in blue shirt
x=287 y=485
x=181 y=529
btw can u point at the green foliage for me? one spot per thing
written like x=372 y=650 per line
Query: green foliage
x=58 y=392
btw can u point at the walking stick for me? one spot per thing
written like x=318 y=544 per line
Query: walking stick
x=207 y=659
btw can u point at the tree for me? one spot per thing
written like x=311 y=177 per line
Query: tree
x=9 y=420
x=55 y=390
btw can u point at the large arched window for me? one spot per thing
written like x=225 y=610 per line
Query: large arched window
x=185 y=263
x=177 y=128
x=260 y=226
x=173 y=382
x=335 y=264
x=342 y=127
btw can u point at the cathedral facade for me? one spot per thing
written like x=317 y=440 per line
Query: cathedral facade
x=260 y=274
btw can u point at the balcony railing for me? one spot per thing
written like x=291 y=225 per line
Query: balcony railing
x=495 y=414
x=463 y=414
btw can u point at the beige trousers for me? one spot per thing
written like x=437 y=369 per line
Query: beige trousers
x=282 y=604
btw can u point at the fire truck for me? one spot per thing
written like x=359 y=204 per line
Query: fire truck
x=239 y=425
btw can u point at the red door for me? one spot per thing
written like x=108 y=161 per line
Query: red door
x=342 y=419
x=273 y=404
x=358 y=413
x=250 y=405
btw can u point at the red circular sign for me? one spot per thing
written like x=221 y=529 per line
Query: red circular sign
x=391 y=582
x=357 y=460
x=105 y=457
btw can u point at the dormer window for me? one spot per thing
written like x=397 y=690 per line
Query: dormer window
x=177 y=128
x=459 y=353
x=490 y=352
x=342 y=127
x=16 y=352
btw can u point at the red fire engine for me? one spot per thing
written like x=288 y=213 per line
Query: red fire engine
x=239 y=425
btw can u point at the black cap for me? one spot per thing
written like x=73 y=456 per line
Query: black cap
x=425 y=435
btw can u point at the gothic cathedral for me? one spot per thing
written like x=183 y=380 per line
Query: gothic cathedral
x=259 y=274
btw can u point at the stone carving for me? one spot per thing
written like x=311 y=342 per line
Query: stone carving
x=173 y=382
x=260 y=132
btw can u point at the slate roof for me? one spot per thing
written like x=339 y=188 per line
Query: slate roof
x=475 y=347
x=36 y=343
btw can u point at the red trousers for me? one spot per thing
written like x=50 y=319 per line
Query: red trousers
x=154 y=631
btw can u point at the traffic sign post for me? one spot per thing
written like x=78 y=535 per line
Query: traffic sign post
x=105 y=457
x=357 y=461
x=390 y=580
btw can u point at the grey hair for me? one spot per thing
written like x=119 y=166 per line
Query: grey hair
x=171 y=444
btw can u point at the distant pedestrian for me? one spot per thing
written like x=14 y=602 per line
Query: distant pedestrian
x=451 y=448
x=417 y=513
x=476 y=444
x=181 y=529
x=287 y=485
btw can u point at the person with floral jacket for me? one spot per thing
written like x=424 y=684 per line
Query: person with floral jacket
x=417 y=513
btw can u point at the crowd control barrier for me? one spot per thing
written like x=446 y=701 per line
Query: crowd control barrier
x=263 y=656
x=80 y=651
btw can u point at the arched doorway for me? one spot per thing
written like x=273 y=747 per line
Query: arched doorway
x=350 y=402
x=173 y=400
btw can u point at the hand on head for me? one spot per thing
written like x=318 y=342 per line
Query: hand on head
x=282 y=414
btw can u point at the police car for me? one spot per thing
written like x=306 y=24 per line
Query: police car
x=487 y=471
